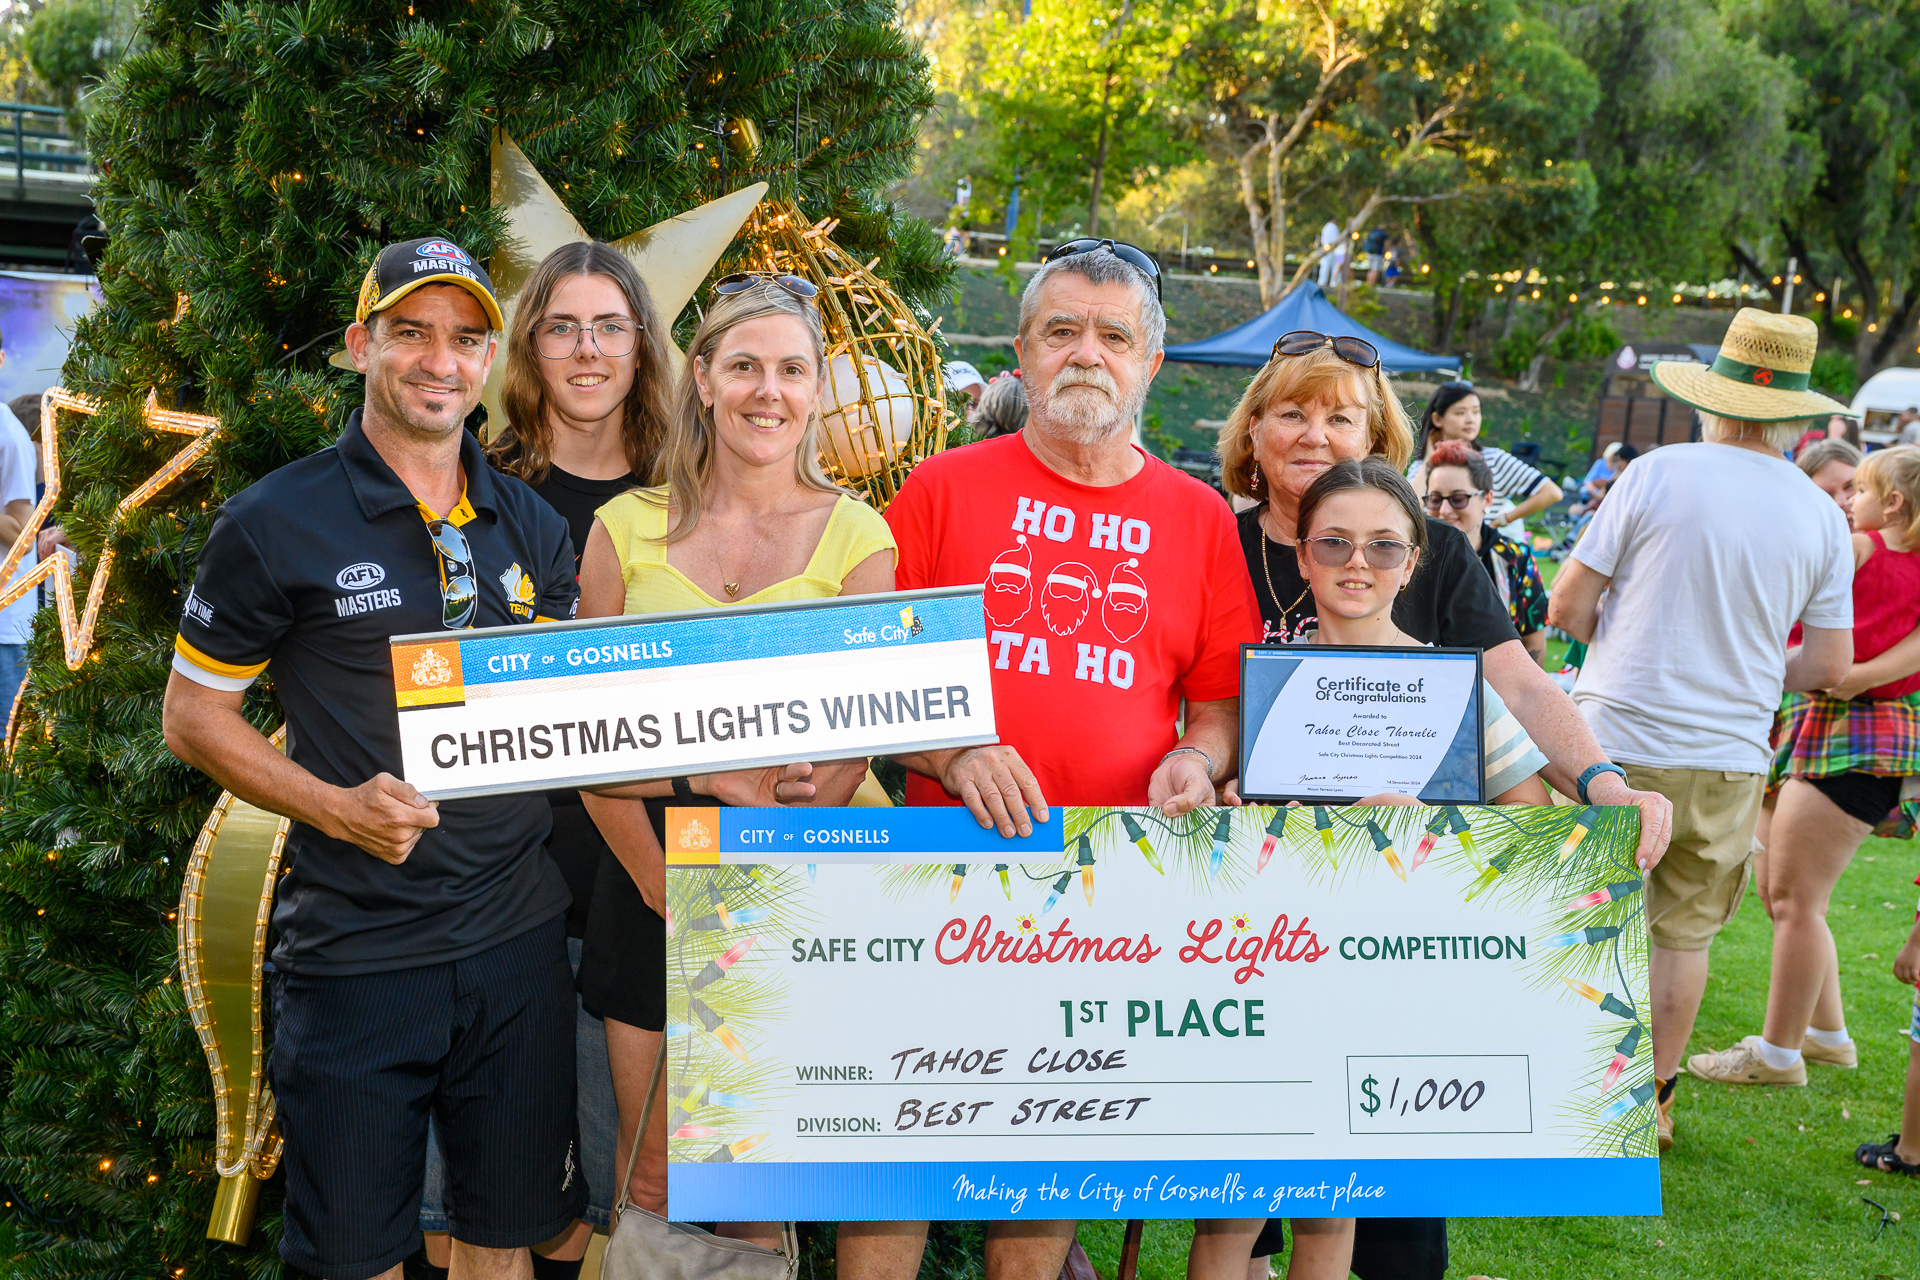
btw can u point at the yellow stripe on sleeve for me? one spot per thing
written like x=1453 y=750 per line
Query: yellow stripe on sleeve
x=213 y=665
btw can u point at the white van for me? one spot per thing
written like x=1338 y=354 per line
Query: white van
x=1880 y=400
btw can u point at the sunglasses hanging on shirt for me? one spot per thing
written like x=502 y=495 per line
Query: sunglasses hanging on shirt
x=458 y=596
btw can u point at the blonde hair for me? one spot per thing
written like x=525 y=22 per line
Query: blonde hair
x=684 y=467
x=1891 y=471
x=525 y=447
x=1318 y=377
x=1778 y=435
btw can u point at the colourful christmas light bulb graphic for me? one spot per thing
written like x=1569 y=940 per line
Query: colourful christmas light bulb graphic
x=717 y=1028
x=1385 y=845
x=1138 y=834
x=728 y=1154
x=695 y=1096
x=959 y=874
x=1600 y=897
x=1597 y=933
x=1462 y=831
x=717 y=968
x=1605 y=1000
x=1323 y=823
x=732 y=919
x=1637 y=1096
x=1496 y=865
x=1427 y=841
x=1583 y=822
x=1084 y=861
x=1218 y=854
x=1622 y=1054
x=813 y=873
x=1059 y=887
x=1006 y=886
x=694 y=1131
x=1275 y=829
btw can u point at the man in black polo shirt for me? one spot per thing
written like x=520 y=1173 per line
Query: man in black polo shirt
x=421 y=962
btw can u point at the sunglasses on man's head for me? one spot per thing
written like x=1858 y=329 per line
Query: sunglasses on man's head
x=1133 y=257
x=458 y=596
x=741 y=281
x=1356 y=351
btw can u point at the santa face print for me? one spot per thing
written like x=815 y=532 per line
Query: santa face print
x=1067 y=596
x=1124 y=606
x=1009 y=584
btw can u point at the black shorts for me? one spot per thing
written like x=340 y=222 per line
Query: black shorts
x=623 y=957
x=1383 y=1248
x=484 y=1045
x=1865 y=796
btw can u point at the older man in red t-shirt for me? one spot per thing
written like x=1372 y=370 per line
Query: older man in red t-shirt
x=1115 y=590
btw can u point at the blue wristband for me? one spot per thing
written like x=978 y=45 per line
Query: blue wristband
x=1594 y=771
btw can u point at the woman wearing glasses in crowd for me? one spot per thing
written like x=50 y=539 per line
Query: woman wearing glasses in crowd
x=1454 y=414
x=1322 y=400
x=1459 y=491
x=740 y=512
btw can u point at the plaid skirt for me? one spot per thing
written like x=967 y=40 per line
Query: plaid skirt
x=1815 y=736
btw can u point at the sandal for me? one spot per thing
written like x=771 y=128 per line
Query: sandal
x=1881 y=1156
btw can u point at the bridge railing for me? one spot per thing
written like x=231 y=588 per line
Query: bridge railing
x=37 y=138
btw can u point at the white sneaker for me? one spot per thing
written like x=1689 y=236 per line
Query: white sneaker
x=1742 y=1064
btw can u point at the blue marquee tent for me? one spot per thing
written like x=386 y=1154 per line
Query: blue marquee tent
x=1306 y=307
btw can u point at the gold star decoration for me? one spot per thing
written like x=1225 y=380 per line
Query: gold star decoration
x=77 y=632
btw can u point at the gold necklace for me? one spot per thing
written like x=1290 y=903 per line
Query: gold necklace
x=1266 y=571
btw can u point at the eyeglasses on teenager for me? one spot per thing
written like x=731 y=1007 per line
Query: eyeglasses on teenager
x=1355 y=351
x=1129 y=254
x=561 y=339
x=1458 y=500
x=1382 y=553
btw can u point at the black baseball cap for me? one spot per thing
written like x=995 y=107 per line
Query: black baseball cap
x=402 y=268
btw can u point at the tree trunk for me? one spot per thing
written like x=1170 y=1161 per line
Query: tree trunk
x=1257 y=222
x=1277 y=206
x=1530 y=381
x=1100 y=157
x=1453 y=314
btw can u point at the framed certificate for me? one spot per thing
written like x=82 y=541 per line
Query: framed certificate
x=1331 y=724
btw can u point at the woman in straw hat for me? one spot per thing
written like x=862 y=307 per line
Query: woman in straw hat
x=1709 y=553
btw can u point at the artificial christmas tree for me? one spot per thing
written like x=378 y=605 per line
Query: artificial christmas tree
x=254 y=156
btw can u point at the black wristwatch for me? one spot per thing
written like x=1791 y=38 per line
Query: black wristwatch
x=683 y=788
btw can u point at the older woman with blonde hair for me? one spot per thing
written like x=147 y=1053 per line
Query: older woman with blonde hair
x=1322 y=399
x=740 y=512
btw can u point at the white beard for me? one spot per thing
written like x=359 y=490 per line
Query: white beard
x=1074 y=411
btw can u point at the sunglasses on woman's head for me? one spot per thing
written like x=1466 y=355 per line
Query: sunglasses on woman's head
x=1355 y=351
x=1133 y=257
x=1458 y=500
x=741 y=281
x=1382 y=553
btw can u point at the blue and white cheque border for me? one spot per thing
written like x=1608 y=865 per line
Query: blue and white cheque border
x=528 y=708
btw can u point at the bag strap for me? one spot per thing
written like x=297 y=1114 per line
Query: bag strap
x=639 y=1135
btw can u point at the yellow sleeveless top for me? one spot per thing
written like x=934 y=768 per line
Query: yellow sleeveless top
x=637 y=523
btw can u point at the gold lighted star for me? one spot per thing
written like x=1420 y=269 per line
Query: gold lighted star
x=77 y=632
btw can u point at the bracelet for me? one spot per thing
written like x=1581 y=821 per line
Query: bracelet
x=1192 y=751
x=1594 y=771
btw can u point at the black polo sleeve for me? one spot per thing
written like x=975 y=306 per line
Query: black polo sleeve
x=1452 y=600
x=235 y=615
x=559 y=582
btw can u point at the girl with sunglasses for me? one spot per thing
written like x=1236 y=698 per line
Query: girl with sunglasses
x=1459 y=491
x=1454 y=414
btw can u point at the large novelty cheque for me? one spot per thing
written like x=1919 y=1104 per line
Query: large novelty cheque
x=1405 y=1012
x=565 y=704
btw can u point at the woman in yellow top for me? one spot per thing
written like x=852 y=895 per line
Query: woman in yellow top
x=741 y=512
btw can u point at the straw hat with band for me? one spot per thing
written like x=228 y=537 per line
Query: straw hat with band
x=402 y=268
x=1760 y=375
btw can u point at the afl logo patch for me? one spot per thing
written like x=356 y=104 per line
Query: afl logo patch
x=444 y=249
x=358 y=577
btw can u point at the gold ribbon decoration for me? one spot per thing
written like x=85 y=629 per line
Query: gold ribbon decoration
x=226 y=902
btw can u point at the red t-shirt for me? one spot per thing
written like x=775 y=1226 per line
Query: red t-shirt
x=1105 y=606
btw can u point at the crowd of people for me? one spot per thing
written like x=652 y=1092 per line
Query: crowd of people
x=469 y=997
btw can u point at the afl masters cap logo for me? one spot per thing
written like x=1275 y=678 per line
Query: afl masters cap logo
x=402 y=268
